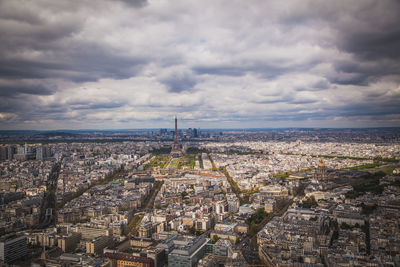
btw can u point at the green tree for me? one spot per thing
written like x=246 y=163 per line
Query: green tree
x=215 y=239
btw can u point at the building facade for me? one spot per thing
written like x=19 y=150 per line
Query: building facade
x=13 y=248
x=125 y=259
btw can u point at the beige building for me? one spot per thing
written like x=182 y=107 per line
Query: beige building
x=224 y=235
x=188 y=221
x=48 y=240
x=274 y=191
x=90 y=233
x=145 y=230
x=97 y=245
x=68 y=242
x=140 y=242
x=117 y=229
x=241 y=228
x=125 y=259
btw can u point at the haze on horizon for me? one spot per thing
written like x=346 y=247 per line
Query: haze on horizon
x=214 y=64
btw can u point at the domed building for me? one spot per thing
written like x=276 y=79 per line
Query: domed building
x=320 y=172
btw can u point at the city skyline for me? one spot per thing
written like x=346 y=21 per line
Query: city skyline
x=259 y=64
x=237 y=197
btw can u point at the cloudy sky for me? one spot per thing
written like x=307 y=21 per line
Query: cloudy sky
x=215 y=64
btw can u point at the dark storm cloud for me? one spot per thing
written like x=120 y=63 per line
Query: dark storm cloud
x=374 y=31
x=265 y=71
x=386 y=107
x=34 y=46
x=359 y=72
x=309 y=101
x=321 y=84
x=14 y=13
x=52 y=109
x=92 y=62
x=368 y=30
x=220 y=70
x=257 y=60
x=268 y=101
x=350 y=78
x=82 y=63
x=291 y=115
x=372 y=45
x=372 y=35
x=85 y=105
x=317 y=86
x=16 y=104
x=179 y=82
x=12 y=87
x=43 y=35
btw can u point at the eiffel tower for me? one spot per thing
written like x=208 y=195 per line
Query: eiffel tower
x=176 y=150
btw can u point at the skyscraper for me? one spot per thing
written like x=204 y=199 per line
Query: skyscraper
x=40 y=152
x=176 y=150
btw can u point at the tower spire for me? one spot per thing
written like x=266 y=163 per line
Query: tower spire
x=176 y=131
x=176 y=150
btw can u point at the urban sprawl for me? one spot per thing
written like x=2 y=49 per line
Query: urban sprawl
x=293 y=197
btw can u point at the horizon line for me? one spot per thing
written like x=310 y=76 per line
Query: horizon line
x=158 y=128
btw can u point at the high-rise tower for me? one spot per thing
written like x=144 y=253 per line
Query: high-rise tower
x=176 y=132
x=176 y=150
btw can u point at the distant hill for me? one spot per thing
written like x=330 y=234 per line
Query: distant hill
x=53 y=134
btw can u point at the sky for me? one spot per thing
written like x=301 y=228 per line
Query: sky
x=212 y=63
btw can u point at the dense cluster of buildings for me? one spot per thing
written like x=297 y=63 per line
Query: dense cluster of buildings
x=300 y=200
x=25 y=152
x=250 y=171
x=336 y=230
x=333 y=149
x=22 y=186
